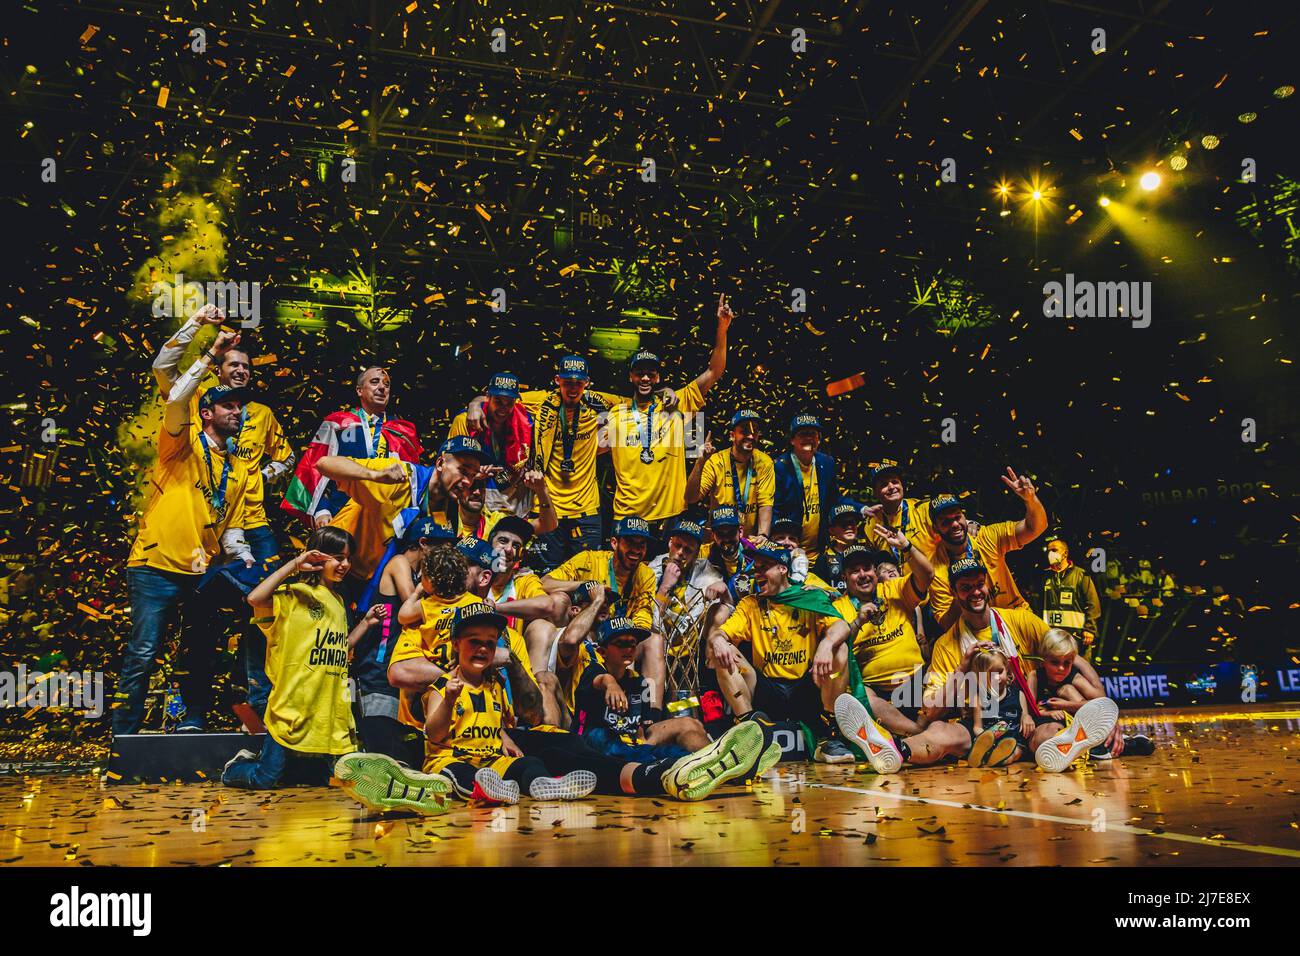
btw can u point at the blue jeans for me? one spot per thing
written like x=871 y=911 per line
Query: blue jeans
x=608 y=743
x=155 y=597
x=261 y=541
x=572 y=535
x=276 y=766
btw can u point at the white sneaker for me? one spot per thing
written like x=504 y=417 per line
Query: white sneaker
x=858 y=726
x=242 y=755
x=491 y=786
x=571 y=786
x=1092 y=724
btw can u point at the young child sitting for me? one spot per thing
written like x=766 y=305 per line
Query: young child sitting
x=1069 y=681
x=309 y=713
x=1000 y=722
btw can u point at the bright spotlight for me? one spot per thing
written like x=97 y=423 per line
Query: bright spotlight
x=1036 y=195
x=1149 y=181
x=1104 y=201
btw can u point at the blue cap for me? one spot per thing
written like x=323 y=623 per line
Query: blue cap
x=805 y=420
x=690 y=528
x=942 y=503
x=786 y=519
x=617 y=626
x=426 y=527
x=644 y=357
x=464 y=445
x=476 y=551
x=504 y=385
x=886 y=466
x=964 y=567
x=745 y=415
x=770 y=552
x=857 y=554
x=724 y=516
x=631 y=527
x=475 y=614
x=225 y=393
x=573 y=366
x=845 y=508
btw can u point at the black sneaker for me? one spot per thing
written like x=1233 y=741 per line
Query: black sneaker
x=833 y=750
x=1139 y=745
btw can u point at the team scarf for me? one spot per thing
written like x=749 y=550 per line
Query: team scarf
x=1007 y=645
x=547 y=433
x=344 y=433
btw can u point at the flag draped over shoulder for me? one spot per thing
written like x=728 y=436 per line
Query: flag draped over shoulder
x=519 y=438
x=342 y=434
x=807 y=599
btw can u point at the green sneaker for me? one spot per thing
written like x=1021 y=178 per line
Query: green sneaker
x=381 y=783
x=697 y=775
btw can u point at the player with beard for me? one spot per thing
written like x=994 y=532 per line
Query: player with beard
x=989 y=545
x=195 y=511
x=1016 y=633
x=740 y=476
x=786 y=533
x=505 y=429
x=623 y=570
x=688 y=585
x=799 y=654
x=647 y=444
x=477 y=521
x=259 y=438
x=845 y=519
x=385 y=494
x=884 y=643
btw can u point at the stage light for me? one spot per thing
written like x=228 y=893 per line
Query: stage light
x=1150 y=180
x=1247 y=117
x=1282 y=92
x=1210 y=141
x=1036 y=195
x=1104 y=201
x=1178 y=162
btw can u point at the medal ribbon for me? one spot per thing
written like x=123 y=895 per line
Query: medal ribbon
x=648 y=434
x=218 y=493
x=742 y=505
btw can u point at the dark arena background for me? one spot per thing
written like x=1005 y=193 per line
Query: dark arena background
x=883 y=191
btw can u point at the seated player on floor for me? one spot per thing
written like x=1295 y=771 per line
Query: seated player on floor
x=798 y=662
x=1067 y=680
x=548 y=765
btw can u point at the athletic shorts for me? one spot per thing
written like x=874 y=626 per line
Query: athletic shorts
x=435 y=763
x=784 y=699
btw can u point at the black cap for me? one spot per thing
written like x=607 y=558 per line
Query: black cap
x=515 y=525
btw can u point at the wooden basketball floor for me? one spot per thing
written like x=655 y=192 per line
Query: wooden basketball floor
x=1221 y=790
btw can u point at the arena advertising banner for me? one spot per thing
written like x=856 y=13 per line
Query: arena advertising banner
x=1223 y=683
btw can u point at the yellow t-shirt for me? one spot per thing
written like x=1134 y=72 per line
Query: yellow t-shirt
x=783 y=638
x=574 y=494
x=812 y=510
x=887 y=652
x=179 y=530
x=261 y=437
x=991 y=545
x=1025 y=628
x=369 y=513
x=480 y=715
x=759 y=476
x=919 y=529
x=480 y=527
x=657 y=490
x=309 y=710
x=525 y=586
x=636 y=591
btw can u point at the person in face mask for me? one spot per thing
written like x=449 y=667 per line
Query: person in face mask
x=1069 y=596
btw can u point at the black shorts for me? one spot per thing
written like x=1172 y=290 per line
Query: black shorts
x=784 y=699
